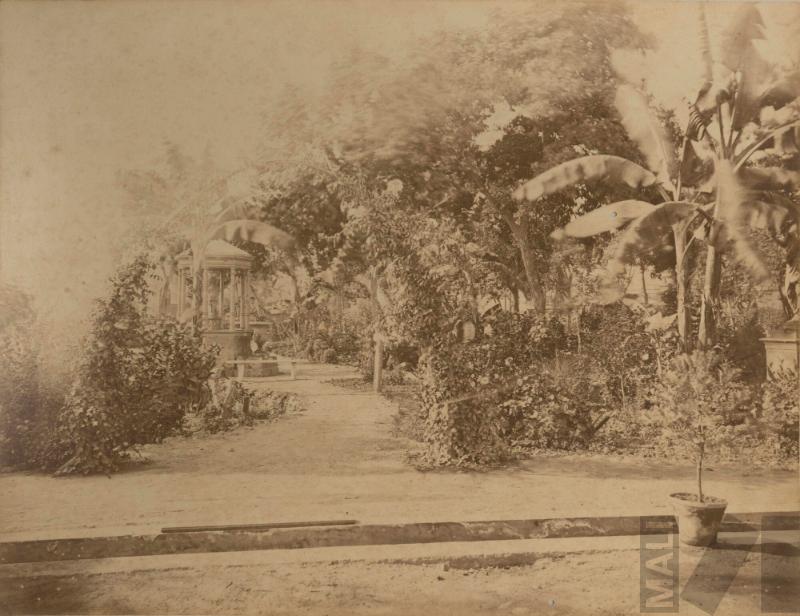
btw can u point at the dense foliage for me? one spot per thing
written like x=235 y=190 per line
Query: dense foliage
x=468 y=388
x=780 y=416
x=137 y=378
x=406 y=188
x=19 y=384
x=233 y=405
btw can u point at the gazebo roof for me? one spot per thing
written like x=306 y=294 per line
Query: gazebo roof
x=218 y=253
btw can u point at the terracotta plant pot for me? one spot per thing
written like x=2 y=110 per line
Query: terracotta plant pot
x=698 y=523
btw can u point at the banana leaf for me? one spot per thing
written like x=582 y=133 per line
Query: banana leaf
x=697 y=166
x=787 y=143
x=782 y=91
x=745 y=251
x=254 y=231
x=717 y=80
x=585 y=169
x=607 y=218
x=773 y=212
x=770 y=178
x=741 y=57
x=647 y=132
x=641 y=236
x=733 y=214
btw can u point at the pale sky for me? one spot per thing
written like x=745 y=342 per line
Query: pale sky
x=89 y=89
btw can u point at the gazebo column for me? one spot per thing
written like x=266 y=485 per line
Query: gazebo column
x=181 y=291
x=220 y=296
x=206 y=297
x=245 y=281
x=232 y=299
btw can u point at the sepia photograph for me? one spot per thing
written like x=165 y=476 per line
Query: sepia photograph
x=399 y=307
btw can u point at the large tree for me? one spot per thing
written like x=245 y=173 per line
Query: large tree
x=459 y=120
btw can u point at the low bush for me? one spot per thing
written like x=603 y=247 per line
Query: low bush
x=779 y=413
x=466 y=387
x=630 y=351
x=228 y=408
x=560 y=407
x=337 y=347
x=269 y=405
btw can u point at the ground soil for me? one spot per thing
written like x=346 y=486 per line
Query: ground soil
x=579 y=584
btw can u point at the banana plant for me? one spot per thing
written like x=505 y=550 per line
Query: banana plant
x=744 y=109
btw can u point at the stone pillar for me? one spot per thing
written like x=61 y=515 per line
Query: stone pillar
x=206 y=297
x=245 y=281
x=232 y=299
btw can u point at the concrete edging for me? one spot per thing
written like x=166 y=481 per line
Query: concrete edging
x=368 y=534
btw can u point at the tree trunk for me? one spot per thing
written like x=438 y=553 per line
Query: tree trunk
x=195 y=301
x=700 y=476
x=680 y=231
x=377 y=372
x=707 y=334
x=645 y=297
x=535 y=291
x=563 y=290
x=474 y=303
x=377 y=366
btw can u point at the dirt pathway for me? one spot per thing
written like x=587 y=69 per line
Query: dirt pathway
x=338 y=459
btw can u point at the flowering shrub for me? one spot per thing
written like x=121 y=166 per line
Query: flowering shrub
x=137 y=378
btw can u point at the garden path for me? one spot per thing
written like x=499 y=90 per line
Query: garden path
x=338 y=459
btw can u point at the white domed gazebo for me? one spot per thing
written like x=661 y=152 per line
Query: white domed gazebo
x=224 y=313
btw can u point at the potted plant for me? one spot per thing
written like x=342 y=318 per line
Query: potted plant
x=701 y=404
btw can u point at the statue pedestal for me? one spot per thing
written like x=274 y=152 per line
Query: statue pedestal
x=233 y=344
x=782 y=348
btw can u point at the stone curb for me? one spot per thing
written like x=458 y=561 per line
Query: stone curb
x=366 y=534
